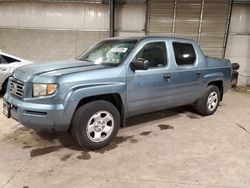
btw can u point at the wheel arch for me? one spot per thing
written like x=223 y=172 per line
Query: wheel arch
x=219 y=84
x=114 y=98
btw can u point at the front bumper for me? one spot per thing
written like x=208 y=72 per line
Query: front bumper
x=40 y=117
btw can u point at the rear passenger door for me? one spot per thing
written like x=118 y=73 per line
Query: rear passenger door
x=188 y=75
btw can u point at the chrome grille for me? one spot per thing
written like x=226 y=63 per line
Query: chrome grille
x=16 y=87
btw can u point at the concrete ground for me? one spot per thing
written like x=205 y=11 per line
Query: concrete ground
x=171 y=148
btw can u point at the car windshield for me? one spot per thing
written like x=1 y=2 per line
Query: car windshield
x=109 y=52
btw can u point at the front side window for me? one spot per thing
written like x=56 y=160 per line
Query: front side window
x=154 y=53
x=184 y=53
x=109 y=52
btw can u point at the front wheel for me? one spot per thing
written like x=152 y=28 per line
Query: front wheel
x=95 y=124
x=4 y=87
x=209 y=102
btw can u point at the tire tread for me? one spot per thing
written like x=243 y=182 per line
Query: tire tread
x=201 y=105
x=83 y=111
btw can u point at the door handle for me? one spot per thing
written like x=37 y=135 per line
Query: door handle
x=3 y=69
x=167 y=76
x=198 y=73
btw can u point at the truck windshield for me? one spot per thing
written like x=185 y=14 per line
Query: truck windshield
x=109 y=52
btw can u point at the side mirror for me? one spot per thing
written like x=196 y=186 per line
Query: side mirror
x=139 y=65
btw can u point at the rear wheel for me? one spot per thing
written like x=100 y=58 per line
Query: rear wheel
x=95 y=124
x=209 y=103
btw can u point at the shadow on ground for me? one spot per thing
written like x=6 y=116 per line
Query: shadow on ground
x=242 y=89
x=42 y=143
x=169 y=114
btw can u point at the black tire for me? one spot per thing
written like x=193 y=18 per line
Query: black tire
x=235 y=66
x=81 y=118
x=202 y=106
x=5 y=84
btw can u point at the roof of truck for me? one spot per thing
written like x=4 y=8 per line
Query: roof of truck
x=139 y=38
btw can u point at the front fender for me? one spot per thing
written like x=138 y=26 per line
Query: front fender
x=87 y=90
x=76 y=94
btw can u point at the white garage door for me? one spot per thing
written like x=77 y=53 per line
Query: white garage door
x=205 y=21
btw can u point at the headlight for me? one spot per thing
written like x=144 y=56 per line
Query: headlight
x=44 y=89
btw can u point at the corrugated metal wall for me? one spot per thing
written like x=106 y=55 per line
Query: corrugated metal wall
x=202 y=20
x=57 y=29
x=130 y=19
x=58 y=16
x=49 y=31
x=238 y=46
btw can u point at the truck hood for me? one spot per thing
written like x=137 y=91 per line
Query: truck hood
x=55 y=68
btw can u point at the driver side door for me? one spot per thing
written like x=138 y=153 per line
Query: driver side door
x=147 y=90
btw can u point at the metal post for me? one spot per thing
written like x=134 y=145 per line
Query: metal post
x=230 y=6
x=147 y=21
x=111 y=18
x=200 y=22
x=174 y=19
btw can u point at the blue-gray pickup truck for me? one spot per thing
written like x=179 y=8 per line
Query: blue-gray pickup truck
x=117 y=78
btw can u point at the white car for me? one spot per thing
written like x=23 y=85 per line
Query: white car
x=8 y=63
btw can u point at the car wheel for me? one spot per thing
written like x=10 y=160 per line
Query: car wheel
x=209 y=103
x=95 y=124
x=5 y=84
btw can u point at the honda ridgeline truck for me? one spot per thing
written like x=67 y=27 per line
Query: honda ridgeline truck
x=117 y=78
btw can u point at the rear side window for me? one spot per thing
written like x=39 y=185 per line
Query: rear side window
x=184 y=53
